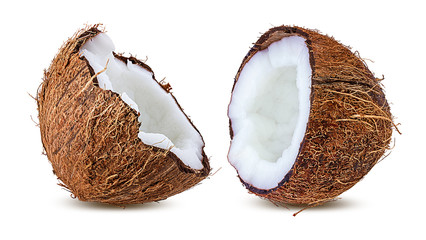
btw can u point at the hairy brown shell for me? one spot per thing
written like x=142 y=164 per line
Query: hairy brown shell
x=349 y=128
x=90 y=136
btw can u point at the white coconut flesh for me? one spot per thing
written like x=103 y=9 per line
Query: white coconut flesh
x=269 y=112
x=163 y=124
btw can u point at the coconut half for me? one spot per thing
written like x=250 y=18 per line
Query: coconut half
x=112 y=133
x=307 y=118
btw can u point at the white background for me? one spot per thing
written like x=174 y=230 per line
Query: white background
x=198 y=46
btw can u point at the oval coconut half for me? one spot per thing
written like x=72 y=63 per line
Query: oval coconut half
x=112 y=133
x=307 y=117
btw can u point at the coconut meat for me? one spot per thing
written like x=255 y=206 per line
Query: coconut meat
x=269 y=112
x=163 y=124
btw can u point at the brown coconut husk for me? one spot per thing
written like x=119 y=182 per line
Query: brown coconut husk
x=350 y=124
x=90 y=136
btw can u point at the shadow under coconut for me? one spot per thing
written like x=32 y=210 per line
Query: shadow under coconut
x=75 y=203
x=339 y=203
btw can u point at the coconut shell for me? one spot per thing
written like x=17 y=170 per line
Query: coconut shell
x=350 y=124
x=90 y=136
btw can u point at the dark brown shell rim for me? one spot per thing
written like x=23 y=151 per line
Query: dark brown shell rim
x=273 y=35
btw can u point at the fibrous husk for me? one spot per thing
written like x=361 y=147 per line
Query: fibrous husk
x=90 y=136
x=350 y=124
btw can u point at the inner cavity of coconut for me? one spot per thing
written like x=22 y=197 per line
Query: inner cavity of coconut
x=163 y=124
x=269 y=112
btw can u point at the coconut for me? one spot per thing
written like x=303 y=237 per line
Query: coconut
x=112 y=133
x=308 y=119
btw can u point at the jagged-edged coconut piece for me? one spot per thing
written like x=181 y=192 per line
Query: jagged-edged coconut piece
x=112 y=133
x=307 y=118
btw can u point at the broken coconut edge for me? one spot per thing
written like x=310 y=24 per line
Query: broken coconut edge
x=105 y=162
x=338 y=77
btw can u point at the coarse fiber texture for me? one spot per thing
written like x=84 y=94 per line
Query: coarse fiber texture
x=350 y=125
x=90 y=136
